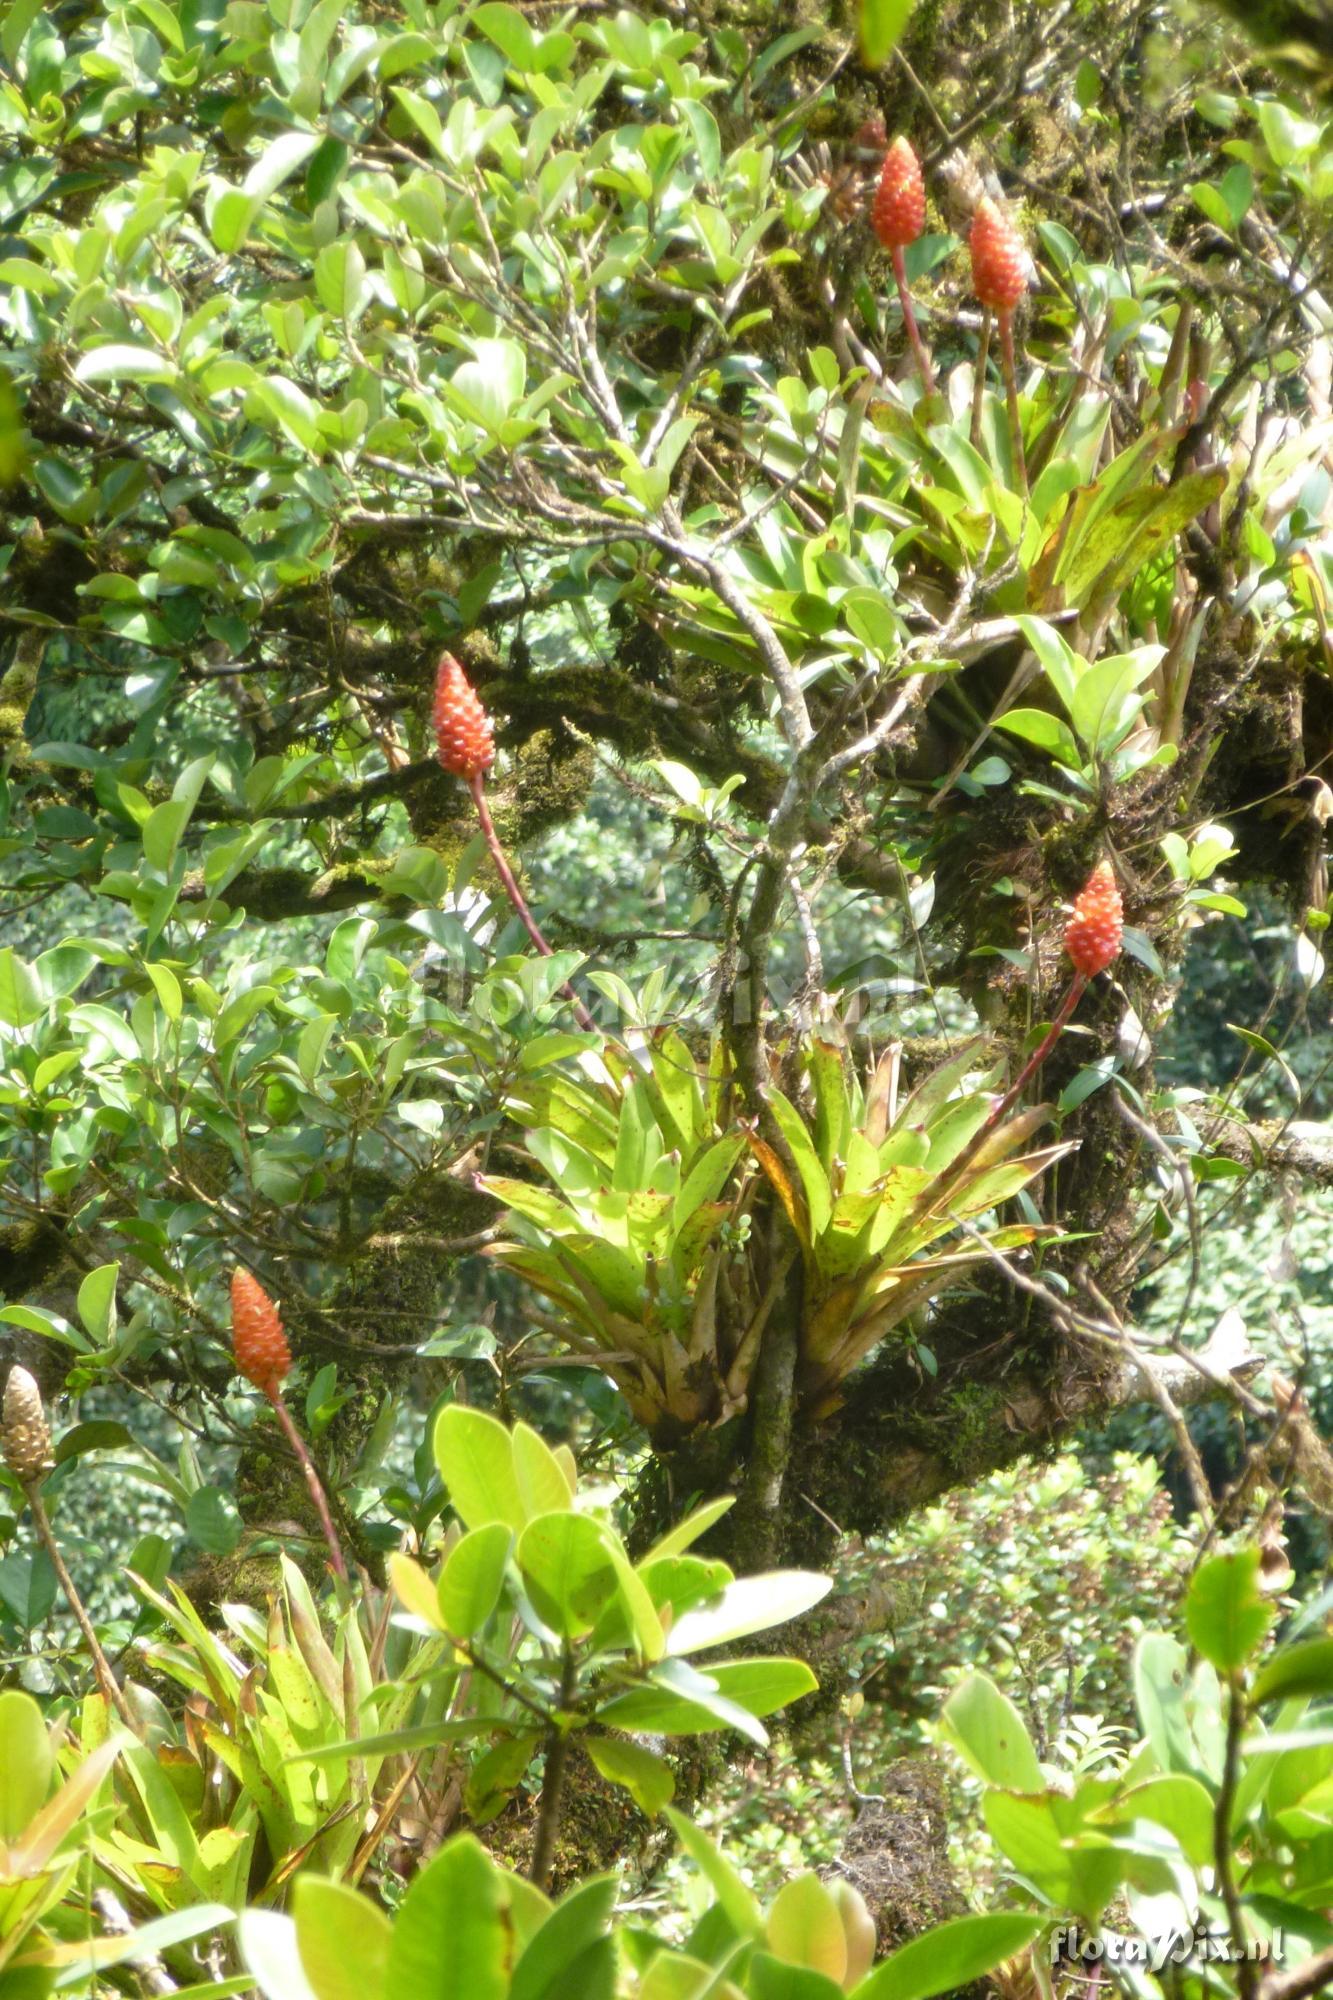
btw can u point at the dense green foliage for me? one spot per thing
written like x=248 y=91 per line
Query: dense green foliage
x=692 y=1321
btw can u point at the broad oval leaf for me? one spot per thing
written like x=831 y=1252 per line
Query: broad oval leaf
x=991 y=1736
x=342 y=1939
x=1225 y=1613
x=570 y=1571
x=475 y=1456
x=451 y=1938
x=773 y=1979
x=472 y=1579
x=751 y=1604
x=805 y=1928
x=270 y=1951
x=729 y=1695
x=951 y=1955
x=578 y=1924
x=1305 y=1668
x=643 y=1774
x=97 y=1301
x=26 y=1762
x=542 y=1485
x=414 y=1589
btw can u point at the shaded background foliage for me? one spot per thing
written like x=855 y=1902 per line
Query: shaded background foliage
x=286 y=421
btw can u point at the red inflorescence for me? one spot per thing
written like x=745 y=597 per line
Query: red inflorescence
x=262 y=1353
x=898 y=212
x=999 y=261
x=1094 y=932
x=463 y=730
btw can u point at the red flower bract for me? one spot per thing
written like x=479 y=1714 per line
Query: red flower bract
x=464 y=736
x=999 y=260
x=262 y=1353
x=898 y=212
x=1096 y=929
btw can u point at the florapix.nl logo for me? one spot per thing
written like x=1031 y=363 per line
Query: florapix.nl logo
x=1200 y=1946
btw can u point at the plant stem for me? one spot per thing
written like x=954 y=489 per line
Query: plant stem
x=553 y=1785
x=1223 y=1838
x=1011 y=396
x=909 y=321
x=477 y=786
x=307 y=1464
x=1039 y=1054
x=932 y=1197
x=106 y=1680
x=979 y=380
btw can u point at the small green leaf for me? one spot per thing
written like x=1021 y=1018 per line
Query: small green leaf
x=751 y=1604
x=1303 y=1669
x=1225 y=1613
x=688 y=1531
x=472 y=1579
x=161 y=833
x=97 y=1302
x=542 y=1485
x=951 y=1955
x=805 y=1927
x=348 y=946
x=313 y=1042
x=476 y=1460
x=773 y=1979
x=117 y=362
x=1179 y=1803
x=167 y=988
x=26 y=1762
x=28 y=1586
x=728 y=1695
x=343 y=1940
x=99 y=1434
x=1161 y=1675
x=991 y=1736
x=724 y=1880
x=570 y=1571
x=414 y=1589
x=451 y=1937
x=570 y=1956
x=212 y=1522
x=62 y=969
x=645 y=1777
x=21 y=1000
x=1048 y=732
x=882 y=25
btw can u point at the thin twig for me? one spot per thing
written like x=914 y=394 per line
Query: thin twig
x=106 y=1680
x=979 y=380
x=477 y=785
x=909 y=321
x=312 y=1479
x=1011 y=397
x=1299 y=1982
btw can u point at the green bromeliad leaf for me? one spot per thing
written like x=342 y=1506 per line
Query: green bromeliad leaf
x=630 y=1239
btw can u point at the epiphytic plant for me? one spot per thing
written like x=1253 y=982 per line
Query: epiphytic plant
x=644 y=1238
